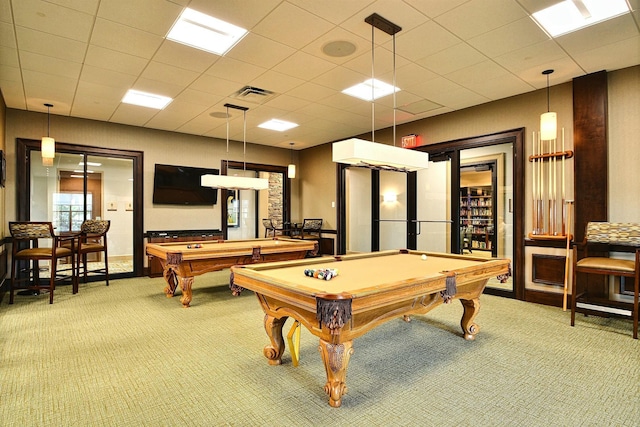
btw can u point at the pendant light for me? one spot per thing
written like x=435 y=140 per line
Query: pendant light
x=48 y=144
x=228 y=182
x=548 y=120
x=359 y=152
x=291 y=169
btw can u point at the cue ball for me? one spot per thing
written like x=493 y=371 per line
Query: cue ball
x=423 y=257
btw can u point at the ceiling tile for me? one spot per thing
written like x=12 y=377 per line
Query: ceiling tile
x=50 y=45
x=303 y=66
x=622 y=54
x=185 y=57
x=602 y=34
x=47 y=65
x=53 y=19
x=452 y=59
x=235 y=70
x=168 y=74
x=513 y=36
x=292 y=26
x=115 y=61
x=260 y=50
x=133 y=115
x=480 y=16
x=113 y=79
x=7 y=35
x=152 y=16
x=118 y=37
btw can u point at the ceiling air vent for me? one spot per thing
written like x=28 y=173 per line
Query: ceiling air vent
x=254 y=94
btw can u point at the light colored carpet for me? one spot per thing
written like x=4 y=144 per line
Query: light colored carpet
x=125 y=355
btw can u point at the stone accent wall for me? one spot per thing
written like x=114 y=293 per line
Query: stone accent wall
x=275 y=202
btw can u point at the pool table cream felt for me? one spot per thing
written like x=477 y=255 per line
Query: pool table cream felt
x=359 y=276
x=220 y=248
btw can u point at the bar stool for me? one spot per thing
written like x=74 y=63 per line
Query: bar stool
x=26 y=246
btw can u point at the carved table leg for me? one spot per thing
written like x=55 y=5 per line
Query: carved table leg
x=185 y=286
x=471 y=308
x=336 y=358
x=172 y=282
x=273 y=327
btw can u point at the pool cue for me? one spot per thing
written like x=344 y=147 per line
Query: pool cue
x=533 y=183
x=567 y=257
x=562 y=185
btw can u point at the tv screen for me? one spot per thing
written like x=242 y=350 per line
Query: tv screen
x=180 y=185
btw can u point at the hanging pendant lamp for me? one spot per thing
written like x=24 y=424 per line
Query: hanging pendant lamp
x=233 y=182
x=548 y=120
x=370 y=154
x=48 y=144
x=291 y=169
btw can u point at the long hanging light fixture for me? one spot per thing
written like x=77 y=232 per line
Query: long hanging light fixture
x=291 y=169
x=548 y=120
x=359 y=152
x=48 y=144
x=233 y=182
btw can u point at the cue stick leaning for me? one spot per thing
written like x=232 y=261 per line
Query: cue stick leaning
x=567 y=257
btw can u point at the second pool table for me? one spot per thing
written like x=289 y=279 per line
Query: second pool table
x=369 y=290
x=181 y=261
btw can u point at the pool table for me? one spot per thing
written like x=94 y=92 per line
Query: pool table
x=181 y=261
x=369 y=290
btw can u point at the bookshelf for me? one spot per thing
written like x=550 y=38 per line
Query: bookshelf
x=477 y=218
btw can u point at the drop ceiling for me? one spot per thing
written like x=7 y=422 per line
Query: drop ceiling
x=83 y=55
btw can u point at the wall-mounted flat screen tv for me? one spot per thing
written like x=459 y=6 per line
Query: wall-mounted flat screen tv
x=180 y=185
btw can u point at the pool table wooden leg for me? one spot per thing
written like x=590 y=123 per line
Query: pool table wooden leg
x=471 y=308
x=336 y=359
x=172 y=281
x=273 y=326
x=185 y=285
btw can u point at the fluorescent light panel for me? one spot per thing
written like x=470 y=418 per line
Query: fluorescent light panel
x=230 y=182
x=279 y=125
x=359 y=152
x=90 y=164
x=365 y=90
x=205 y=32
x=145 y=99
x=572 y=15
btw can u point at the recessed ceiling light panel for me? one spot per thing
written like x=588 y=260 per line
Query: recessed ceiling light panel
x=279 y=125
x=145 y=99
x=572 y=15
x=205 y=32
x=370 y=87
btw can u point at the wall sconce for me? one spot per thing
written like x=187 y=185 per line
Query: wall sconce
x=48 y=144
x=390 y=197
x=291 y=169
x=548 y=120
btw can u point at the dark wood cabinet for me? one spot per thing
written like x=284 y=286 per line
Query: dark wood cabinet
x=155 y=268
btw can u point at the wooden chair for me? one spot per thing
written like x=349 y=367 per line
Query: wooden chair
x=29 y=240
x=93 y=239
x=311 y=229
x=604 y=238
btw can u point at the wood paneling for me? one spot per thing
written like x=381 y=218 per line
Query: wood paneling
x=590 y=146
x=590 y=99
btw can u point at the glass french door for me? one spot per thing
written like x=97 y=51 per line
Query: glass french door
x=433 y=202
x=78 y=186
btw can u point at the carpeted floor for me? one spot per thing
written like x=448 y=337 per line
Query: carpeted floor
x=125 y=355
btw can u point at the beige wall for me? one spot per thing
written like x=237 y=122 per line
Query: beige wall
x=624 y=145
x=3 y=145
x=158 y=147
